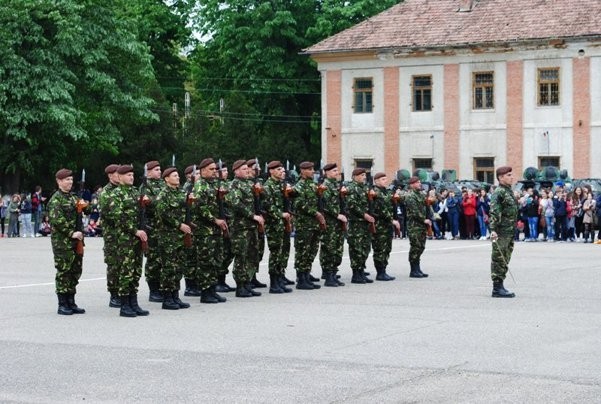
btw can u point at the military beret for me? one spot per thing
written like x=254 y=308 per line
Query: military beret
x=306 y=165
x=111 y=168
x=238 y=163
x=503 y=170
x=189 y=170
x=358 y=171
x=168 y=171
x=124 y=169
x=63 y=173
x=379 y=175
x=152 y=164
x=329 y=167
x=274 y=164
x=413 y=180
x=206 y=162
x=251 y=162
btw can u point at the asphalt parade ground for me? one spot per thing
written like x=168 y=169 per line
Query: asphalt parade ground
x=436 y=340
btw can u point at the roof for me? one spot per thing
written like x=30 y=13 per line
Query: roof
x=439 y=23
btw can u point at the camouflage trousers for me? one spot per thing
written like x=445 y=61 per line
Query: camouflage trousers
x=111 y=259
x=359 y=242
x=209 y=257
x=172 y=267
x=228 y=257
x=381 y=244
x=332 y=246
x=129 y=266
x=417 y=241
x=189 y=257
x=152 y=269
x=500 y=257
x=278 y=242
x=245 y=243
x=260 y=252
x=306 y=244
x=68 y=270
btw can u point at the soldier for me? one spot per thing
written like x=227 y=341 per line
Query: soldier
x=332 y=239
x=151 y=186
x=381 y=242
x=245 y=223
x=108 y=234
x=171 y=227
x=254 y=172
x=210 y=231
x=65 y=210
x=417 y=224
x=228 y=256
x=359 y=236
x=124 y=212
x=278 y=225
x=309 y=223
x=502 y=217
x=190 y=253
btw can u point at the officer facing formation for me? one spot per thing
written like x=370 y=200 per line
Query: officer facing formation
x=417 y=224
x=111 y=259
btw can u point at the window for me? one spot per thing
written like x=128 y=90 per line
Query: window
x=483 y=84
x=426 y=164
x=548 y=162
x=484 y=169
x=548 y=87
x=364 y=163
x=422 y=93
x=363 y=88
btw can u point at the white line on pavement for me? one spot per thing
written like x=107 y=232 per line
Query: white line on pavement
x=47 y=283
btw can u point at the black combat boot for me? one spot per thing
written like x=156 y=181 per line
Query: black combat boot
x=126 y=310
x=288 y=281
x=253 y=292
x=330 y=279
x=219 y=298
x=178 y=301
x=364 y=274
x=168 y=303
x=498 y=290
x=415 y=273
x=115 y=300
x=241 y=290
x=274 y=285
x=133 y=301
x=206 y=296
x=255 y=283
x=312 y=278
x=63 y=305
x=303 y=282
x=155 y=292
x=283 y=284
x=357 y=276
x=222 y=286
x=382 y=275
x=73 y=306
x=419 y=268
x=191 y=288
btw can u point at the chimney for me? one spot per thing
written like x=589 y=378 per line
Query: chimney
x=465 y=6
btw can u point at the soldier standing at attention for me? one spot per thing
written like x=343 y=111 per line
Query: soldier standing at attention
x=332 y=239
x=381 y=242
x=209 y=233
x=152 y=271
x=309 y=222
x=254 y=173
x=124 y=211
x=171 y=214
x=503 y=215
x=278 y=239
x=417 y=224
x=190 y=253
x=228 y=256
x=108 y=234
x=359 y=237
x=67 y=232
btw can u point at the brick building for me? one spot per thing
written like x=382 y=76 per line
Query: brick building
x=466 y=85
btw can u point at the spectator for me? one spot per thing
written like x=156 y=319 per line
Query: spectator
x=13 y=220
x=453 y=213
x=560 y=209
x=483 y=208
x=36 y=208
x=26 y=208
x=589 y=207
x=3 y=210
x=45 y=228
x=469 y=213
x=572 y=201
x=532 y=212
x=548 y=212
x=91 y=229
x=578 y=198
x=443 y=212
x=598 y=203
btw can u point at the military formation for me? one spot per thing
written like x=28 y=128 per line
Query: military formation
x=197 y=230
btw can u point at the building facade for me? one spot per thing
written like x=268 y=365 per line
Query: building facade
x=466 y=85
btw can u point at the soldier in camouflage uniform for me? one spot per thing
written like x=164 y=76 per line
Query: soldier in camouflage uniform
x=503 y=215
x=171 y=214
x=67 y=231
x=108 y=235
x=254 y=173
x=332 y=239
x=209 y=232
x=381 y=242
x=359 y=236
x=417 y=225
x=244 y=232
x=190 y=253
x=152 y=271
x=123 y=211
x=309 y=224
x=228 y=256
x=278 y=239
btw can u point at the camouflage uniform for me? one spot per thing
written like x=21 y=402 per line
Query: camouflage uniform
x=111 y=259
x=189 y=253
x=278 y=240
x=359 y=237
x=306 y=240
x=332 y=239
x=502 y=217
x=228 y=255
x=415 y=202
x=170 y=212
x=152 y=270
x=382 y=240
x=244 y=233
x=63 y=218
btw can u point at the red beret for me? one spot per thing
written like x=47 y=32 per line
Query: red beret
x=111 y=168
x=238 y=164
x=251 y=162
x=274 y=164
x=306 y=165
x=63 y=173
x=503 y=170
x=358 y=171
x=152 y=164
x=379 y=175
x=329 y=167
x=169 y=171
x=413 y=180
x=124 y=169
x=206 y=162
x=189 y=170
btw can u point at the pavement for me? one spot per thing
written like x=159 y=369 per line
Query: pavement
x=436 y=340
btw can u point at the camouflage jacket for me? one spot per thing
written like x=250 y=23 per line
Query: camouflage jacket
x=356 y=201
x=383 y=209
x=273 y=201
x=415 y=202
x=103 y=204
x=305 y=204
x=206 y=207
x=124 y=209
x=331 y=200
x=63 y=219
x=171 y=213
x=240 y=202
x=503 y=211
x=151 y=190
